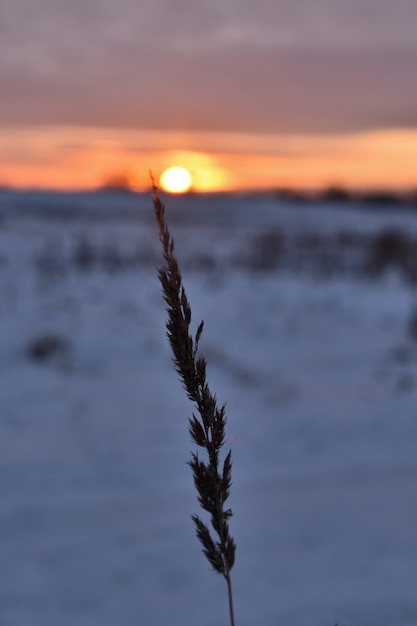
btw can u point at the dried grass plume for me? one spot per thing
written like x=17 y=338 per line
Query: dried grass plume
x=212 y=478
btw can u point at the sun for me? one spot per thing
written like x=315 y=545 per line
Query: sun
x=176 y=180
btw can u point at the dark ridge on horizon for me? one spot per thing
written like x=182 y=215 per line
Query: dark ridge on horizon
x=332 y=195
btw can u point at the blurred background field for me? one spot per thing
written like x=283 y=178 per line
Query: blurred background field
x=310 y=335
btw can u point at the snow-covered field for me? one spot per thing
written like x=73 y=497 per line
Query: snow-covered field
x=319 y=372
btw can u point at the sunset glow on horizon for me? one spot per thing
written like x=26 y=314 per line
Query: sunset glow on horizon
x=68 y=158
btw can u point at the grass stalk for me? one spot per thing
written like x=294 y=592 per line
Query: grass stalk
x=212 y=478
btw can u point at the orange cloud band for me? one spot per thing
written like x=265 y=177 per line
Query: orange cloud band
x=86 y=158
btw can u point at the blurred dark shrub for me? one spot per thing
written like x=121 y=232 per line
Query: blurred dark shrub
x=50 y=260
x=266 y=251
x=47 y=346
x=380 y=199
x=412 y=324
x=112 y=258
x=392 y=249
x=84 y=254
x=335 y=195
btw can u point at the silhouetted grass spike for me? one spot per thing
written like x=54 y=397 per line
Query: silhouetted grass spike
x=210 y=549
x=208 y=430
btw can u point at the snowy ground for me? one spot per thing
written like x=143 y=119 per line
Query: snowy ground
x=319 y=372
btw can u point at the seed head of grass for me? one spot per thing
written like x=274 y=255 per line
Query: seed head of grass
x=212 y=478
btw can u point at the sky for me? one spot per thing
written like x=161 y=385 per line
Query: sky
x=244 y=93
